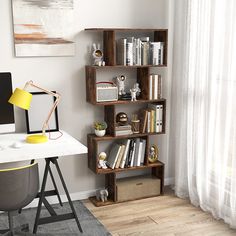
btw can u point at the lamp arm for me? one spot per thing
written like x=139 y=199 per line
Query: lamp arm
x=45 y=124
x=56 y=95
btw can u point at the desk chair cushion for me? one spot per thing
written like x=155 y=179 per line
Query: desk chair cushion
x=18 y=187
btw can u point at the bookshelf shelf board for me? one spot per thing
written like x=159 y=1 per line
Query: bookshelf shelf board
x=125 y=67
x=109 y=170
x=124 y=29
x=99 y=203
x=110 y=137
x=128 y=102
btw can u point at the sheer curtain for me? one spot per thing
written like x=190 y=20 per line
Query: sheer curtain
x=203 y=119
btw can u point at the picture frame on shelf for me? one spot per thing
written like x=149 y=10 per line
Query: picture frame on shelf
x=153 y=153
x=40 y=106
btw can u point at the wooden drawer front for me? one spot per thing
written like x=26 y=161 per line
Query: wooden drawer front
x=137 y=187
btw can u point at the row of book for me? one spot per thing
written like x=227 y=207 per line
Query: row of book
x=155 y=86
x=139 y=51
x=128 y=154
x=123 y=130
x=152 y=118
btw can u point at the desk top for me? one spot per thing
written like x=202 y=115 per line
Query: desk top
x=13 y=147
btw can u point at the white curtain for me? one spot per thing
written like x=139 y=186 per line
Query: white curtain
x=203 y=109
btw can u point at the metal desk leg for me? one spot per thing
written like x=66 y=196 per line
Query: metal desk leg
x=54 y=217
x=41 y=196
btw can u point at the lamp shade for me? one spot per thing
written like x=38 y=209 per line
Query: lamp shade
x=21 y=98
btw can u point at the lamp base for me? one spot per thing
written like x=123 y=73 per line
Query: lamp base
x=37 y=138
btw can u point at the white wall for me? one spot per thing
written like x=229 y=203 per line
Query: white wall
x=67 y=74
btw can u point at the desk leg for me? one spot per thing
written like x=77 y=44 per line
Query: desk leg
x=54 y=217
x=55 y=186
x=41 y=196
x=68 y=195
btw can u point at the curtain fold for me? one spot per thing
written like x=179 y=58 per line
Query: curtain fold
x=203 y=105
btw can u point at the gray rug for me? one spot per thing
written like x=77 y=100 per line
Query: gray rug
x=90 y=225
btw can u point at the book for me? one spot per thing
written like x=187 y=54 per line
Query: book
x=131 y=147
x=152 y=120
x=150 y=87
x=133 y=155
x=143 y=120
x=142 y=158
x=155 y=86
x=129 y=51
x=137 y=144
x=138 y=163
x=126 y=152
x=121 y=51
x=159 y=116
x=148 y=120
x=123 y=132
x=119 y=159
x=113 y=155
x=123 y=127
x=159 y=89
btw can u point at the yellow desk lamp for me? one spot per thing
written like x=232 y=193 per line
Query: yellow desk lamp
x=22 y=99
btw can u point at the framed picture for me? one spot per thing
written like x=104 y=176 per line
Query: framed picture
x=153 y=153
x=40 y=107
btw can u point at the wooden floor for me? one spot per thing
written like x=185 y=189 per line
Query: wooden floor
x=162 y=216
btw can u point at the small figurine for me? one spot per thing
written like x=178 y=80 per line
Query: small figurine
x=121 y=118
x=153 y=153
x=97 y=56
x=102 y=160
x=121 y=84
x=136 y=86
x=133 y=92
x=101 y=195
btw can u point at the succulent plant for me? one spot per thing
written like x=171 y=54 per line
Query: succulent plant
x=100 y=125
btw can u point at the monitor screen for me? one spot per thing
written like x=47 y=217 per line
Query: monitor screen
x=7 y=121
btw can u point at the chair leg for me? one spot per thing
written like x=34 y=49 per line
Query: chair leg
x=10 y=220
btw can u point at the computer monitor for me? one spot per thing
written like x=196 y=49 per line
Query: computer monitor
x=7 y=120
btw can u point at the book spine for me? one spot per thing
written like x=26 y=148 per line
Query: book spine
x=143 y=151
x=128 y=161
x=133 y=155
x=155 y=86
x=150 y=87
x=129 y=54
x=122 y=165
x=148 y=121
x=159 y=93
x=121 y=51
x=145 y=53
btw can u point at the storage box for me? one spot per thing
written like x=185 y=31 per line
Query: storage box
x=137 y=187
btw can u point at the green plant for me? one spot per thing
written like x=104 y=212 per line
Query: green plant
x=100 y=125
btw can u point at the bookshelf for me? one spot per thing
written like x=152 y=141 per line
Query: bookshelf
x=109 y=37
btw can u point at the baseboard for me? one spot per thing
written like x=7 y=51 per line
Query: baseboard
x=74 y=196
x=81 y=195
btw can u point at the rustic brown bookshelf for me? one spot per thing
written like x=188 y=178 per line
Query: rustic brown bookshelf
x=109 y=47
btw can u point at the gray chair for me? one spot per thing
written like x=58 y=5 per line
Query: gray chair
x=18 y=187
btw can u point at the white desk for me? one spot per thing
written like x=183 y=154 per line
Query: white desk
x=64 y=146
x=50 y=151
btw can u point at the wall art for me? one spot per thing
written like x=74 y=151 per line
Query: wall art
x=43 y=28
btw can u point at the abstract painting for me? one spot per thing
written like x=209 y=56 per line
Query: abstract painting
x=43 y=28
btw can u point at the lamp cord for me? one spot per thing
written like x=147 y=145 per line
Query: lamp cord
x=50 y=137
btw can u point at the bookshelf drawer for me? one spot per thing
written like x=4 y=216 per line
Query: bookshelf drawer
x=137 y=187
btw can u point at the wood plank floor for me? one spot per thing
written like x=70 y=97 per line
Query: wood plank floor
x=162 y=216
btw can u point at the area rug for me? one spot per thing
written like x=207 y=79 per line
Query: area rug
x=90 y=225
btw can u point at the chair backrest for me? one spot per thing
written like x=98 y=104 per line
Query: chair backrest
x=18 y=187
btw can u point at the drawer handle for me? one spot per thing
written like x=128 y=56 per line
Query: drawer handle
x=139 y=184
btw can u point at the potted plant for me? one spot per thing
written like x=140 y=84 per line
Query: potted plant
x=100 y=128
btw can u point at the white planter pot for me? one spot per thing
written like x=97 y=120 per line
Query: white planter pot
x=100 y=133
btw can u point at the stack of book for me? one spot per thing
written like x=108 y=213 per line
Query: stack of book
x=152 y=119
x=130 y=153
x=155 y=86
x=139 y=51
x=123 y=130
